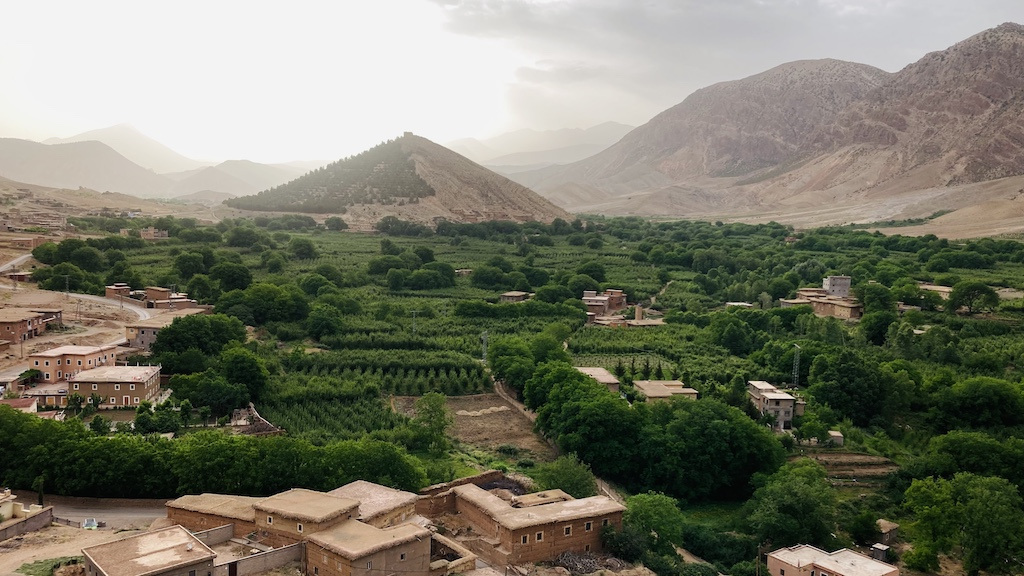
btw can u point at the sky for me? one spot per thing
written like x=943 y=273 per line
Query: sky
x=322 y=79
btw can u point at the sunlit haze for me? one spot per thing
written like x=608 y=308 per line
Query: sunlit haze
x=280 y=81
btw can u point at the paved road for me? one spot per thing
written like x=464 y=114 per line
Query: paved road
x=16 y=263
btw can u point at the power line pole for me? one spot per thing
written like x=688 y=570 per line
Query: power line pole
x=796 y=366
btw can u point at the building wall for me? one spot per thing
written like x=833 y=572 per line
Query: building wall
x=392 y=517
x=777 y=567
x=22 y=329
x=283 y=531
x=135 y=391
x=139 y=337
x=198 y=568
x=69 y=364
x=29 y=524
x=321 y=561
x=555 y=540
x=198 y=521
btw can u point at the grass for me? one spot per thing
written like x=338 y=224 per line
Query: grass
x=721 y=516
x=46 y=567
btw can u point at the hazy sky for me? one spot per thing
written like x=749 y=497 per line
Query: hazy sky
x=290 y=80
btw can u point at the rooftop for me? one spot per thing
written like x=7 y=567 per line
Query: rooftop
x=228 y=506
x=515 y=518
x=353 y=539
x=602 y=375
x=17 y=315
x=845 y=562
x=663 y=388
x=761 y=385
x=164 y=320
x=777 y=396
x=149 y=552
x=72 y=351
x=116 y=374
x=19 y=403
x=307 y=505
x=374 y=499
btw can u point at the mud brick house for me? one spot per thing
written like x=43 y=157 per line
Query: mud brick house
x=119 y=386
x=806 y=560
x=172 y=551
x=536 y=527
x=379 y=506
x=353 y=548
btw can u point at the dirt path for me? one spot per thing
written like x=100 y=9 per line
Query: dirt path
x=53 y=542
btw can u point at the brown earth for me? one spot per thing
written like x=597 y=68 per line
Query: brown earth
x=847 y=468
x=487 y=421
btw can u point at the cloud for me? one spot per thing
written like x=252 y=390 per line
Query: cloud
x=650 y=54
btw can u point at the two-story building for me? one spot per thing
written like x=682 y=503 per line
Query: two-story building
x=62 y=362
x=770 y=400
x=119 y=386
x=21 y=324
x=171 y=551
x=142 y=333
x=663 y=390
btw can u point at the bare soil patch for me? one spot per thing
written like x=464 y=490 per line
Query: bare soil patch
x=487 y=421
x=846 y=467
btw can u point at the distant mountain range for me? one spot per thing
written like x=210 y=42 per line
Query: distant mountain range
x=121 y=159
x=819 y=142
x=410 y=177
x=531 y=149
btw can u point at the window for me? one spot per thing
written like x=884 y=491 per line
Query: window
x=75 y=386
x=37 y=362
x=46 y=376
x=113 y=400
x=59 y=374
x=191 y=573
x=782 y=572
x=117 y=386
x=525 y=538
x=131 y=386
x=586 y=548
x=79 y=362
x=94 y=387
x=786 y=412
x=136 y=399
x=568 y=530
x=300 y=526
x=46 y=363
x=270 y=519
x=604 y=522
x=588 y=526
x=316 y=570
x=401 y=556
x=369 y=565
x=540 y=537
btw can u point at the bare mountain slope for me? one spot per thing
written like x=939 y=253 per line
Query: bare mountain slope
x=136 y=147
x=410 y=177
x=235 y=178
x=90 y=164
x=727 y=129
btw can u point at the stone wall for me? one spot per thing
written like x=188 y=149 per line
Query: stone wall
x=19 y=526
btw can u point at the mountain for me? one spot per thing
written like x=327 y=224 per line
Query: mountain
x=820 y=142
x=204 y=197
x=233 y=177
x=136 y=147
x=411 y=178
x=90 y=164
x=533 y=147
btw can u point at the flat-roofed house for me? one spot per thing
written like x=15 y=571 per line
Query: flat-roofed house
x=28 y=405
x=119 y=386
x=171 y=551
x=63 y=361
x=537 y=532
x=770 y=400
x=806 y=560
x=379 y=506
x=352 y=548
x=199 y=512
x=20 y=324
x=142 y=334
x=513 y=296
x=602 y=375
x=664 y=389
x=291 y=516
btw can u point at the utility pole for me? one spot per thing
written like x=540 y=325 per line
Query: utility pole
x=483 y=344
x=796 y=366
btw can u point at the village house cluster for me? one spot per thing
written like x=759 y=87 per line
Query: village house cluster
x=361 y=529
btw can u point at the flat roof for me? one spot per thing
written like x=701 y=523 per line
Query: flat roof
x=164 y=320
x=116 y=374
x=515 y=518
x=17 y=314
x=760 y=384
x=226 y=505
x=149 y=552
x=777 y=396
x=844 y=561
x=602 y=375
x=307 y=505
x=19 y=403
x=374 y=499
x=353 y=539
x=71 y=350
x=663 y=388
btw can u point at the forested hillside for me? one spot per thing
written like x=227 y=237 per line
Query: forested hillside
x=342 y=321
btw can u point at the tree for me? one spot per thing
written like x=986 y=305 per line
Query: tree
x=335 y=223
x=975 y=296
x=231 y=275
x=658 y=515
x=188 y=264
x=567 y=473
x=581 y=283
x=206 y=333
x=302 y=248
x=433 y=420
x=241 y=366
x=795 y=505
x=100 y=425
